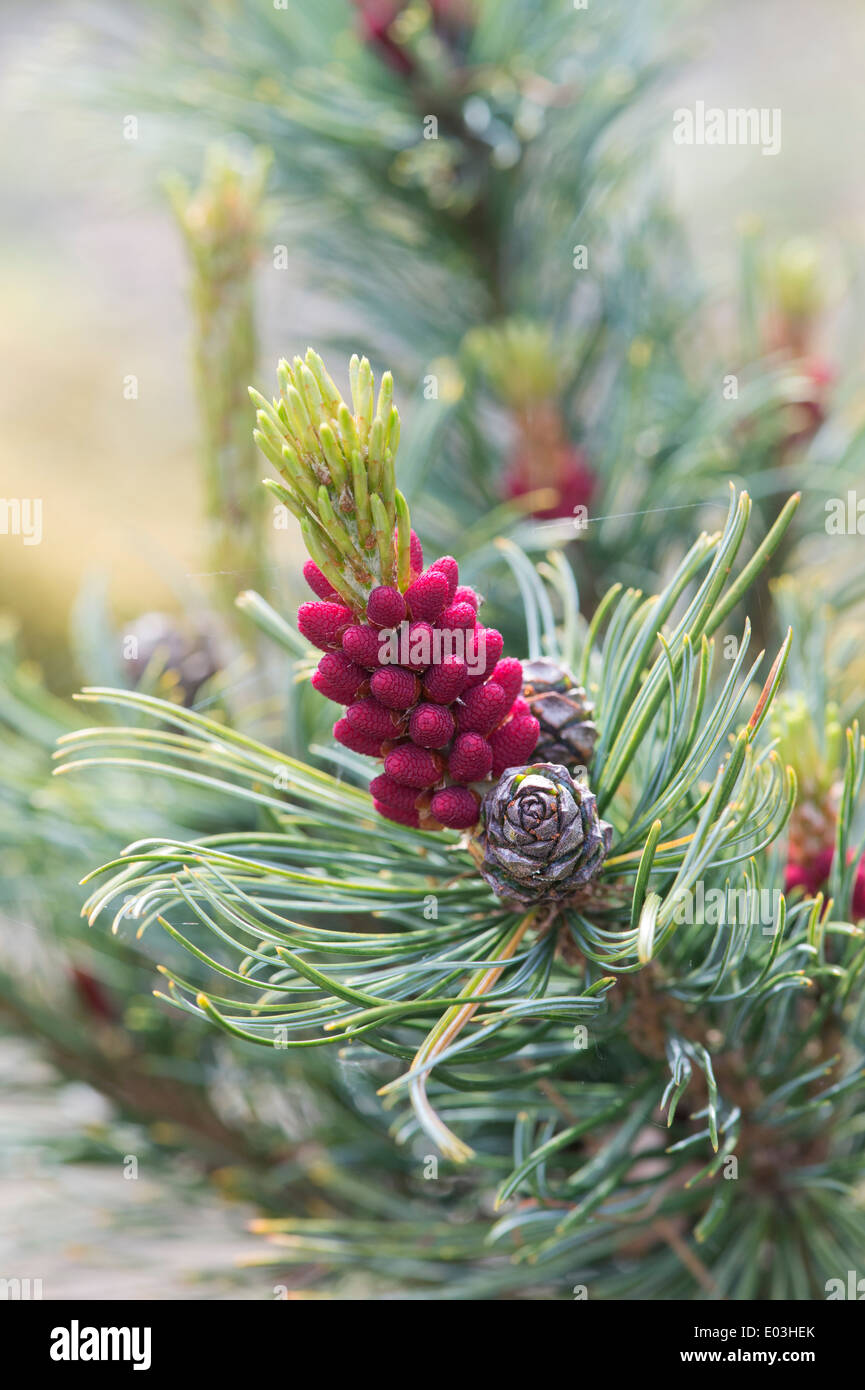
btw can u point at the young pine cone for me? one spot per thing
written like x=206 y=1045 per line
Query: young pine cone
x=563 y=711
x=541 y=836
x=177 y=659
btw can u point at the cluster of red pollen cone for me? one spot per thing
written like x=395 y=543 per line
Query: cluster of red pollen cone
x=377 y=17
x=441 y=725
x=812 y=876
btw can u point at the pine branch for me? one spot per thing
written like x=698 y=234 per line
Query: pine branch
x=222 y=224
x=294 y=983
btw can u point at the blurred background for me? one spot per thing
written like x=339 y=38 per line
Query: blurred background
x=94 y=276
x=105 y=278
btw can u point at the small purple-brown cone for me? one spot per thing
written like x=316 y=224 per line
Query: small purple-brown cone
x=541 y=835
